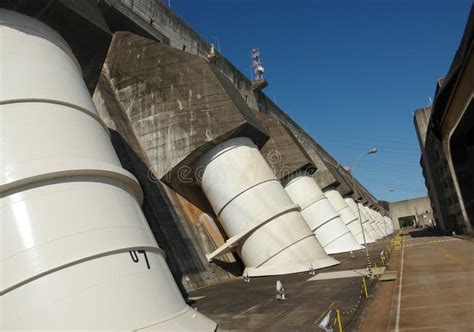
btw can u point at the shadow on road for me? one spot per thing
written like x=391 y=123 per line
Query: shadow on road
x=425 y=233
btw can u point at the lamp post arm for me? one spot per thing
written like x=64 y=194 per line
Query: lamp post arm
x=358 y=208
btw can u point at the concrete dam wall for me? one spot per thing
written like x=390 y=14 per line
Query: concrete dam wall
x=165 y=108
x=168 y=101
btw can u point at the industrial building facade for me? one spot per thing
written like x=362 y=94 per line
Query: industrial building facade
x=446 y=135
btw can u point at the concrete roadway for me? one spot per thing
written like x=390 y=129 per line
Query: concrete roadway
x=434 y=290
x=236 y=305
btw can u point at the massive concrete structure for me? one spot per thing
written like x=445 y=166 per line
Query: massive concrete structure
x=167 y=99
x=445 y=133
x=417 y=208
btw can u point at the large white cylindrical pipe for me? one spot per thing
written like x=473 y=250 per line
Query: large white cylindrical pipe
x=346 y=213
x=378 y=222
x=368 y=222
x=262 y=222
x=365 y=221
x=386 y=224
x=76 y=250
x=389 y=223
x=373 y=222
x=382 y=223
x=320 y=215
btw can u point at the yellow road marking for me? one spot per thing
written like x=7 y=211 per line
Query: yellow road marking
x=448 y=253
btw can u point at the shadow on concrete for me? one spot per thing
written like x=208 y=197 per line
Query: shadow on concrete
x=234 y=268
x=160 y=215
x=181 y=241
x=170 y=232
x=426 y=232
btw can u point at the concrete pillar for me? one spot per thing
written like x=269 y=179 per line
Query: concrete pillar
x=319 y=214
x=76 y=250
x=365 y=221
x=349 y=218
x=262 y=223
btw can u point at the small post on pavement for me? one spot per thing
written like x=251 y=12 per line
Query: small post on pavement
x=339 y=324
x=365 y=287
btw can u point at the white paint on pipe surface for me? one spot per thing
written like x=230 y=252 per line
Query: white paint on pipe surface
x=383 y=224
x=365 y=221
x=389 y=224
x=378 y=222
x=368 y=222
x=349 y=218
x=76 y=251
x=373 y=222
x=319 y=214
x=263 y=225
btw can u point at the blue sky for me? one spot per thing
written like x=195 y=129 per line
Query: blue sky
x=351 y=73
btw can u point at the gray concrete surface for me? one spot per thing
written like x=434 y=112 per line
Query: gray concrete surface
x=435 y=291
x=444 y=134
x=421 y=120
x=419 y=207
x=282 y=151
x=237 y=305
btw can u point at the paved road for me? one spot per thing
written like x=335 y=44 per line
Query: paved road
x=236 y=305
x=434 y=290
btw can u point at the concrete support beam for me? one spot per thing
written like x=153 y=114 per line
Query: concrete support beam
x=165 y=108
x=178 y=104
x=282 y=151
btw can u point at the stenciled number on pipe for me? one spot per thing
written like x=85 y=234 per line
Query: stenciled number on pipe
x=135 y=259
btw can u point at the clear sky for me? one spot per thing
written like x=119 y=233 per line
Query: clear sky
x=351 y=73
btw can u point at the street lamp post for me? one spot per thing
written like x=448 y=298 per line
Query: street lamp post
x=371 y=151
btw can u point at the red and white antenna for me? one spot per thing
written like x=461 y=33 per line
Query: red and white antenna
x=257 y=65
